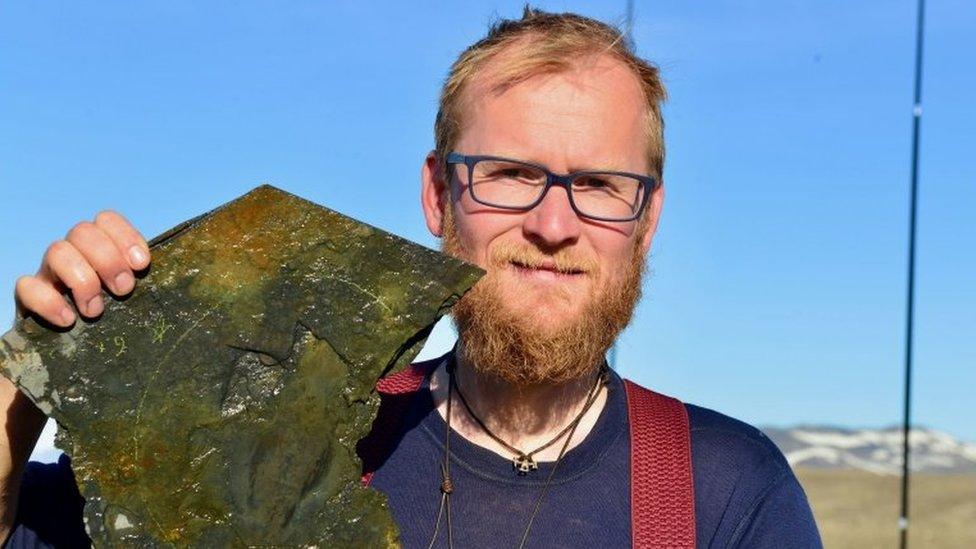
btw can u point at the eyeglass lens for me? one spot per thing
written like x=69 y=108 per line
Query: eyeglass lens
x=509 y=184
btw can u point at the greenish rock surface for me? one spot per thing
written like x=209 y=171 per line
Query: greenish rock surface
x=220 y=404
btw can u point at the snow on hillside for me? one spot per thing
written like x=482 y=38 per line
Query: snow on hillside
x=874 y=450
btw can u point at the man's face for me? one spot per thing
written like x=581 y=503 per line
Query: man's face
x=590 y=118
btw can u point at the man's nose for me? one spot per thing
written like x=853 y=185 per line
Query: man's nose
x=552 y=223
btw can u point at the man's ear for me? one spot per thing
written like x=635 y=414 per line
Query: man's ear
x=653 y=216
x=433 y=194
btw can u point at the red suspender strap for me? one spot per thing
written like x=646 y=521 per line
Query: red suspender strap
x=396 y=394
x=662 y=490
x=661 y=486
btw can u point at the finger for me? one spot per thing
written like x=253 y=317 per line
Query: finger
x=41 y=298
x=128 y=240
x=65 y=264
x=102 y=254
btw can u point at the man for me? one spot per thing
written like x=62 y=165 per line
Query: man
x=519 y=437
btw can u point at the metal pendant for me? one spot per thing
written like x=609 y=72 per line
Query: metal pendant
x=524 y=463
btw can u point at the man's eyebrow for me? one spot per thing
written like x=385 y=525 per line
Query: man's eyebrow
x=609 y=166
x=603 y=167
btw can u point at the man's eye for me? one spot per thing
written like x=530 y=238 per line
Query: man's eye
x=513 y=173
x=591 y=183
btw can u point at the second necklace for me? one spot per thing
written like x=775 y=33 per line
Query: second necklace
x=523 y=462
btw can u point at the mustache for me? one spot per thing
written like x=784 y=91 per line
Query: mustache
x=562 y=261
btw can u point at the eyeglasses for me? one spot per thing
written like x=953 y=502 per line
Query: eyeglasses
x=516 y=185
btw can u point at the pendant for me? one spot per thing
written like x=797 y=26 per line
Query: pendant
x=524 y=463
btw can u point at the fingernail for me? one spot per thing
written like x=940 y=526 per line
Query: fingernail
x=138 y=255
x=124 y=282
x=67 y=316
x=94 y=306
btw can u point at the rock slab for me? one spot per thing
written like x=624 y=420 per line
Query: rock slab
x=220 y=404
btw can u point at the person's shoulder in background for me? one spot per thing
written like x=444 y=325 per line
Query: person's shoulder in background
x=50 y=508
x=746 y=494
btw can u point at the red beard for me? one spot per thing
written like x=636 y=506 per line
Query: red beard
x=521 y=347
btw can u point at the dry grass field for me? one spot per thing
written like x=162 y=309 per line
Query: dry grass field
x=856 y=509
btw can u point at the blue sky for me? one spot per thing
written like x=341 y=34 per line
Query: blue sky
x=778 y=274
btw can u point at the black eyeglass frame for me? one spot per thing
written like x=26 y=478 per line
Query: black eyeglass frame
x=553 y=179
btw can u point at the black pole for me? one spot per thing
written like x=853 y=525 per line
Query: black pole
x=910 y=313
x=629 y=35
x=630 y=23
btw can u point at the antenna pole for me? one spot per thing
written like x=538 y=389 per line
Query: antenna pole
x=910 y=312
x=629 y=22
x=629 y=35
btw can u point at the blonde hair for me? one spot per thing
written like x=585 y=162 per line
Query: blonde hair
x=546 y=43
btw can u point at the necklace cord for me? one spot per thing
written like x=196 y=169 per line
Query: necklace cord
x=601 y=379
x=594 y=392
x=447 y=485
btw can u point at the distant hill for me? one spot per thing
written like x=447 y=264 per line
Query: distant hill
x=810 y=447
x=874 y=450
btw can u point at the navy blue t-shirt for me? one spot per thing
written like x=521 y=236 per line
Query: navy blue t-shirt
x=745 y=493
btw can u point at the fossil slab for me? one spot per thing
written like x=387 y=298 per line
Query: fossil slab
x=220 y=404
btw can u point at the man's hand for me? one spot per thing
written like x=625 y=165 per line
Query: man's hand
x=104 y=253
